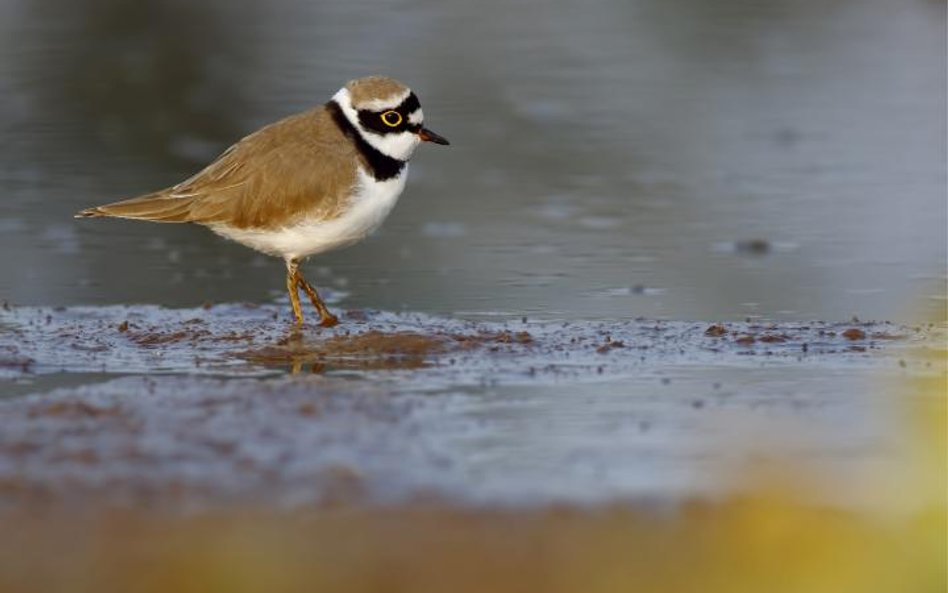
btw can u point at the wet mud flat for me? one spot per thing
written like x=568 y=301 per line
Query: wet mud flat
x=241 y=340
x=146 y=407
x=218 y=449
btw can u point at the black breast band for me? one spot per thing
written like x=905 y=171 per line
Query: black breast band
x=382 y=166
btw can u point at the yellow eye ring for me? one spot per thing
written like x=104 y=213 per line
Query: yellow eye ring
x=392 y=119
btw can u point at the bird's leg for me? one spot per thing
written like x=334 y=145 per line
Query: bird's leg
x=292 y=283
x=326 y=319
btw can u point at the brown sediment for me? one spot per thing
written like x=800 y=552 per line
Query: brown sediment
x=14 y=361
x=888 y=336
x=370 y=350
x=482 y=338
x=854 y=333
x=506 y=337
x=158 y=338
x=376 y=349
x=234 y=337
x=374 y=342
x=78 y=409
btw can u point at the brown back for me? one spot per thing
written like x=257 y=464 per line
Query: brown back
x=299 y=167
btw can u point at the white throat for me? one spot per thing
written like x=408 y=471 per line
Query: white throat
x=397 y=146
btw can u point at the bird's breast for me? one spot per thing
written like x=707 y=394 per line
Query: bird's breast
x=371 y=203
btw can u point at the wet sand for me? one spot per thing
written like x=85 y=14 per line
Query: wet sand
x=165 y=409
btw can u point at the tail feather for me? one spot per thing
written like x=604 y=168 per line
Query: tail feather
x=153 y=207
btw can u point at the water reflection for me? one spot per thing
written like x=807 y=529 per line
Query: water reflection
x=604 y=154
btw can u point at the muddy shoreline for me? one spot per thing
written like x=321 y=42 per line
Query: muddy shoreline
x=245 y=339
x=152 y=408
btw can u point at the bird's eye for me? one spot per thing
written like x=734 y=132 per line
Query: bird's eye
x=392 y=118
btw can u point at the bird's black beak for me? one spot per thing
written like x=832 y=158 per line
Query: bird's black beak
x=427 y=135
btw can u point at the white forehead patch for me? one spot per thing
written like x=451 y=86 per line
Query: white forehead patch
x=416 y=117
x=390 y=102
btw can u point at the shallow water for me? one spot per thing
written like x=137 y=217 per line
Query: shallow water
x=682 y=160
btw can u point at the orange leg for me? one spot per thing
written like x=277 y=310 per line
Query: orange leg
x=326 y=319
x=291 y=287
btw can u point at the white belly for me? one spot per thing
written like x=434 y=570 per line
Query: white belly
x=371 y=204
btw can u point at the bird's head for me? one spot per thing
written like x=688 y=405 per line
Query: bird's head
x=386 y=114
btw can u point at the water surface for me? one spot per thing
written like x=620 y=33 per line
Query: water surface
x=609 y=159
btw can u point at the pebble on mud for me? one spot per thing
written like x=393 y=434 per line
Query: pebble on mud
x=715 y=331
x=506 y=337
x=609 y=345
x=854 y=333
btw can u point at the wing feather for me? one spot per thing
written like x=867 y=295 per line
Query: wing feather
x=300 y=167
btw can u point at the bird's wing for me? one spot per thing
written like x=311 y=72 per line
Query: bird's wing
x=302 y=166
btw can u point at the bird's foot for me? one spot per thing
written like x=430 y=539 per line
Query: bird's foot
x=328 y=320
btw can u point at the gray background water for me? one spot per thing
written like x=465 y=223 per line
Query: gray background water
x=606 y=154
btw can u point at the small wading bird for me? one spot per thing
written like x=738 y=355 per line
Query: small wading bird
x=312 y=182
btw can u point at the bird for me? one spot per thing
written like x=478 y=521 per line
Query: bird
x=312 y=182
